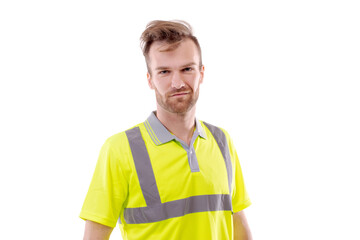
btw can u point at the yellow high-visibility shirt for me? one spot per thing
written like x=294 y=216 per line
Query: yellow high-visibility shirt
x=167 y=189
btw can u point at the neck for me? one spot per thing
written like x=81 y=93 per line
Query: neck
x=181 y=125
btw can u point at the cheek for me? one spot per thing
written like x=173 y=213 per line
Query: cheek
x=194 y=82
x=161 y=85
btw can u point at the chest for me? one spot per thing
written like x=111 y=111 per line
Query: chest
x=175 y=178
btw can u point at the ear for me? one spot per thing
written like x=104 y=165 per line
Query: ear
x=202 y=73
x=150 y=83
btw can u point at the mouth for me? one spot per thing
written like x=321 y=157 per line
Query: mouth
x=179 y=94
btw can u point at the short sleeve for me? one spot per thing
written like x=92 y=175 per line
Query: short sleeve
x=240 y=197
x=108 y=188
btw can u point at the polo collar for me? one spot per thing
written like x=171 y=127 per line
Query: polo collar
x=159 y=134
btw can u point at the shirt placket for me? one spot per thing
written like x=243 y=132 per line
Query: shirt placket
x=191 y=154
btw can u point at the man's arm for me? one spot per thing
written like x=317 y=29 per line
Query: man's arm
x=241 y=227
x=96 y=231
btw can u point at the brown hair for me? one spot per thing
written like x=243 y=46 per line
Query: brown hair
x=172 y=32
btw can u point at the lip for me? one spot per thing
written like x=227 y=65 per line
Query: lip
x=179 y=94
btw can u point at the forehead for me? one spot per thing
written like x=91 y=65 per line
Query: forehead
x=185 y=52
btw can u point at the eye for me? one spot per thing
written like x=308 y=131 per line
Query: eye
x=188 y=69
x=163 y=72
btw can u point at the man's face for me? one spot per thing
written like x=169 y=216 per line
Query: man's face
x=175 y=75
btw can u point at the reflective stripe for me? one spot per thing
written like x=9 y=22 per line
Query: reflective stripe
x=178 y=208
x=143 y=167
x=220 y=138
x=157 y=211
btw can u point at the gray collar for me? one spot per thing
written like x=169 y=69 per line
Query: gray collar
x=159 y=134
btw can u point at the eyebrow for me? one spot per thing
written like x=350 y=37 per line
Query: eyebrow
x=183 y=66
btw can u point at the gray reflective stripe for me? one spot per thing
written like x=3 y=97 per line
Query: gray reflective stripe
x=157 y=211
x=143 y=167
x=220 y=138
x=178 y=208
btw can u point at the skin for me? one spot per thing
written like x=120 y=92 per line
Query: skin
x=96 y=231
x=175 y=76
x=241 y=227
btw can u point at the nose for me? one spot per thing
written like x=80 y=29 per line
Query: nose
x=176 y=81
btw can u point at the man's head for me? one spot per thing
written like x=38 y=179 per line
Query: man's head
x=175 y=70
x=170 y=32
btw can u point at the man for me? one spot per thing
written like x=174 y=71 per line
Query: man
x=172 y=176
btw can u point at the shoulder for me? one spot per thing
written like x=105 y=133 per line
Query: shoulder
x=213 y=129
x=118 y=143
x=121 y=137
x=115 y=153
x=218 y=133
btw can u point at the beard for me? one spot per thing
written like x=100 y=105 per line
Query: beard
x=178 y=105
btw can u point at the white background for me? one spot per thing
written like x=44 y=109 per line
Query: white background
x=281 y=76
